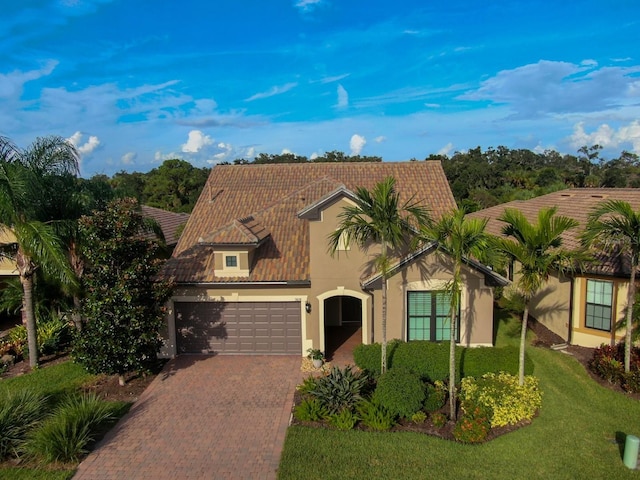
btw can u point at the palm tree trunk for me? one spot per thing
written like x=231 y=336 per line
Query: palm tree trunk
x=30 y=319
x=121 y=380
x=76 y=316
x=452 y=367
x=383 y=353
x=523 y=341
x=630 y=301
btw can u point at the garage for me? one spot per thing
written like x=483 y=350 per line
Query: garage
x=238 y=327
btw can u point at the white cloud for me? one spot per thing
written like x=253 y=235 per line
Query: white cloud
x=380 y=139
x=197 y=140
x=84 y=148
x=446 y=150
x=343 y=97
x=277 y=90
x=356 y=144
x=11 y=84
x=306 y=5
x=129 y=158
x=608 y=137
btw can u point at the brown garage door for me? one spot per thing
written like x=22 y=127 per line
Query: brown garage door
x=238 y=327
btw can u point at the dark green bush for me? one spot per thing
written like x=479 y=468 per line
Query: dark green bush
x=400 y=392
x=375 y=416
x=20 y=411
x=430 y=360
x=436 y=397
x=340 y=389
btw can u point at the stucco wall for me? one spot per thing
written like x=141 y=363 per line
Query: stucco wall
x=551 y=306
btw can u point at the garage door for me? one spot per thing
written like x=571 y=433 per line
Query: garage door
x=238 y=327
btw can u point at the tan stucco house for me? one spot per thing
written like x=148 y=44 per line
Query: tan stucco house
x=253 y=273
x=582 y=308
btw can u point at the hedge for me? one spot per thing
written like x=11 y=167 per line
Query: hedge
x=430 y=360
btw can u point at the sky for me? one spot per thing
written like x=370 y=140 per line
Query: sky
x=132 y=83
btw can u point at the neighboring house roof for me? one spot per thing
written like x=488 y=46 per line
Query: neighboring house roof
x=279 y=198
x=575 y=203
x=170 y=222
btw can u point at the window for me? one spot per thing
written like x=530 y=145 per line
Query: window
x=429 y=316
x=599 y=305
x=231 y=261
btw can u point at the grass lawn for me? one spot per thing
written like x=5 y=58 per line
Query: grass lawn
x=573 y=437
x=55 y=381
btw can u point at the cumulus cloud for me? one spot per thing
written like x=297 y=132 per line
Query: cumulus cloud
x=608 y=137
x=84 y=148
x=276 y=90
x=550 y=87
x=343 y=97
x=129 y=158
x=196 y=141
x=356 y=144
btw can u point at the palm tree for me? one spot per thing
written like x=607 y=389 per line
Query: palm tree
x=24 y=176
x=537 y=247
x=615 y=227
x=378 y=216
x=459 y=238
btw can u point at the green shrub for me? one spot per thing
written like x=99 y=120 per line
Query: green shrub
x=419 y=417
x=375 y=416
x=53 y=334
x=400 y=392
x=505 y=402
x=340 y=389
x=436 y=396
x=307 y=385
x=343 y=420
x=17 y=337
x=430 y=360
x=74 y=425
x=311 y=410
x=473 y=426
x=439 y=419
x=631 y=381
x=20 y=411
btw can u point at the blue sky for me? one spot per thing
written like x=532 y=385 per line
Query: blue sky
x=134 y=82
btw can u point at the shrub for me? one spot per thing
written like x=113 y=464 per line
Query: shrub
x=374 y=416
x=439 y=419
x=20 y=411
x=419 y=417
x=400 y=392
x=436 y=396
x=307 y=385
x=310 y=410
x=17 y=338
x=473 y=426
x=631 y=381
x=505 y=402
x=343 y=420
x=608 y=363
x=340 y=389
x=430 y=360
x=65 y=436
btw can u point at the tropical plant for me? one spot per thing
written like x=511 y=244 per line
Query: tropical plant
x=538 y=250
x=311 y=410
x=614 y=227
x=374 y=416
x=459 y=238
x=26 y=188
x=20 y=411
x=379 y=216
x=340 y=389
x=343 y=420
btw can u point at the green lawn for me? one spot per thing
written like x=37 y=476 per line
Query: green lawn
x=573 y=437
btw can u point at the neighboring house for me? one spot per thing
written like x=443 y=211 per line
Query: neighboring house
x=254 y=274
x=8 y=270
x=170 y=223
x=582 y=308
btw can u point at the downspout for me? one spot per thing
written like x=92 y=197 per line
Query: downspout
x=570 y=329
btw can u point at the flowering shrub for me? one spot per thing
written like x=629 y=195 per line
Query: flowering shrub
x=608 y=363
x=439 y=419
x=473 y=426
x=505 y=402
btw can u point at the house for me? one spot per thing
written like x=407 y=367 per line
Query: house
x=253 y=272
x=8 y=270
x=170 y=223
x=583 y=307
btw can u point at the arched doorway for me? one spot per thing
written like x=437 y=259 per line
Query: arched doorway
x=342 y=327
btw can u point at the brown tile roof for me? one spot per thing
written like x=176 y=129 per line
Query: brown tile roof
x=169 y=222
x=272 y=195
x=575 y=203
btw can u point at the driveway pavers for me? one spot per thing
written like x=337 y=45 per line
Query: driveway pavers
x=203 y=417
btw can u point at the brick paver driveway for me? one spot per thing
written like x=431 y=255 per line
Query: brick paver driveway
x=203 y=417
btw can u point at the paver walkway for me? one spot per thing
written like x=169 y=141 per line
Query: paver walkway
x=203 y=417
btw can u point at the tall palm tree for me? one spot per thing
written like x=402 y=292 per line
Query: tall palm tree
x=24 y=177
x=615 y=227
x=459 y=238
x=378 y=216
x=537 y=248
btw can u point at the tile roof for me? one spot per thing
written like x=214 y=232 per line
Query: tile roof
x=169 y=222
x=575 y=203
x=272 y=195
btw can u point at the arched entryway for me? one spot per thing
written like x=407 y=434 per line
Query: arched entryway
x=344 y=323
